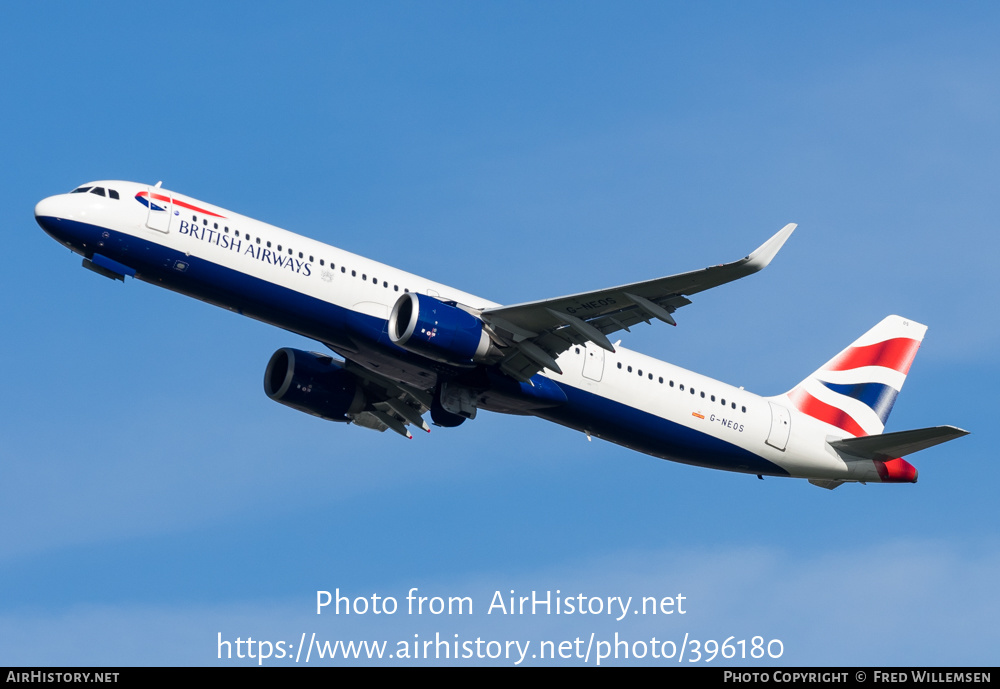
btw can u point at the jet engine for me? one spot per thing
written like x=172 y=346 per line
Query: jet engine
x=313 y=383
x=439 y=330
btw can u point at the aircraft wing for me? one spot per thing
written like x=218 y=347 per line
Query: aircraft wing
x=392 y=405
x=535 y=333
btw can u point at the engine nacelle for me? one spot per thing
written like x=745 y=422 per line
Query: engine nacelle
x=439 y=331
x=313 y=383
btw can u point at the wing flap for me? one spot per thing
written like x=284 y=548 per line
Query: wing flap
x=391 y=405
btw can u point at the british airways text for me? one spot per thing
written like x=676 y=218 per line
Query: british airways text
x=207 y=234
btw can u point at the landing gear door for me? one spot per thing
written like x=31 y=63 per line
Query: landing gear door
x=593 y=362
x=161 y=209
x=781 y=422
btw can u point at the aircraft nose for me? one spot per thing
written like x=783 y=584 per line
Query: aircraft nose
x=53 y=216
x=46 y=208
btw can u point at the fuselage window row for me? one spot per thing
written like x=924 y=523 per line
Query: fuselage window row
x=681 y=388
x=246 y=235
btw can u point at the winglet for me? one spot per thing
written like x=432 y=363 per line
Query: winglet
x=766 y=251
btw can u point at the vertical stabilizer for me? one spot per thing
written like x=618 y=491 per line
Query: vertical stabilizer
x=855 y=390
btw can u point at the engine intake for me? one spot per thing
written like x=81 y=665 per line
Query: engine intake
x=438 y=330
x=314 y=384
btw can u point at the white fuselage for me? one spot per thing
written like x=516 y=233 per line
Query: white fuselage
x=319 y=290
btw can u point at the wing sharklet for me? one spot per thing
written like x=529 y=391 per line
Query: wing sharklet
x=763 y=254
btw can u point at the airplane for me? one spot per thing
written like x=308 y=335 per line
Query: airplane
x=406 y=345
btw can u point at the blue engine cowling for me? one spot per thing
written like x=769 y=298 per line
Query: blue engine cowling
x=438 y=330
x=313 y=383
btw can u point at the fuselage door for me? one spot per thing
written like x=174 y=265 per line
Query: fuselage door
x=161 y=208
x=781 y=423
x=593 y=362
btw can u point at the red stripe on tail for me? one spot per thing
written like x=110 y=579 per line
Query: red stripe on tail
x=807 y=404
x=896 y=354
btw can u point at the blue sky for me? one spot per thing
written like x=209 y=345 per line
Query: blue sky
x=151 y=496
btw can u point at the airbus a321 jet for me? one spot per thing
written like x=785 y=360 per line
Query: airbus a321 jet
x=408 y=346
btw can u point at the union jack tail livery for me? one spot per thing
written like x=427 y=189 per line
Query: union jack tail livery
x=856 y=389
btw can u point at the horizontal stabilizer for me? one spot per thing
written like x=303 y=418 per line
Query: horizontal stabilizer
x=893 y=445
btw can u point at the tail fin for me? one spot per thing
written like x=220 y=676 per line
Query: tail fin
x=856 y=389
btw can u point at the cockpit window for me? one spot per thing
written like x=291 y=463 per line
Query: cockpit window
x=98 y=190
x=80 y=190
x=113 y=194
